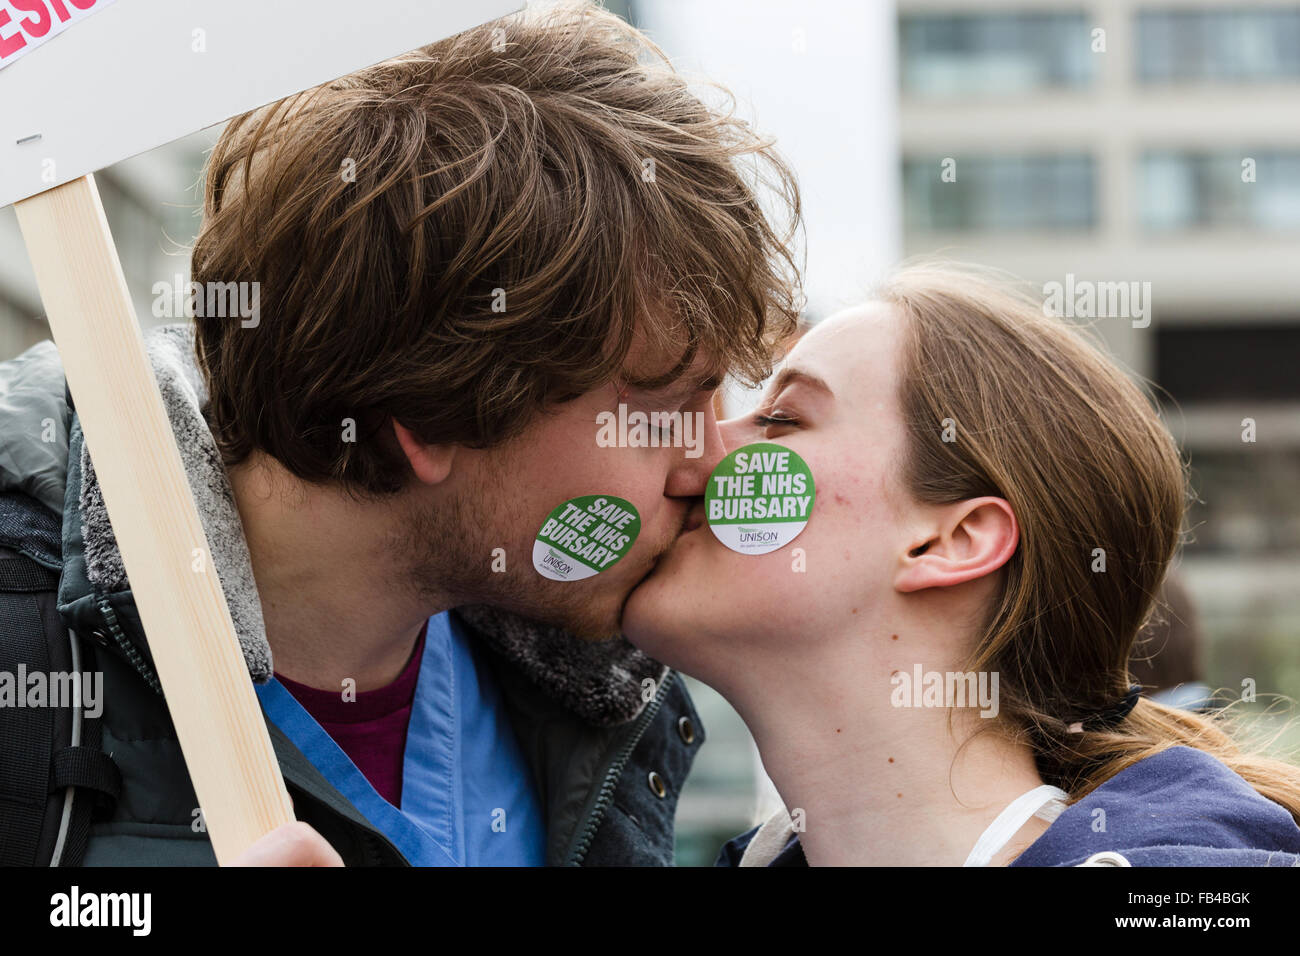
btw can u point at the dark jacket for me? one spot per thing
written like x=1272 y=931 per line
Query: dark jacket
x=1181 y=807
x=608 y=758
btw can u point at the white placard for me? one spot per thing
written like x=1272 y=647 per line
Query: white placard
x=145 y=72
x=27 y=24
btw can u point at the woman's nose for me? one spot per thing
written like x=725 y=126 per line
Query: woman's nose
x=736 y=432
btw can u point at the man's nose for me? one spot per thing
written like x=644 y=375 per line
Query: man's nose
x=690 y=475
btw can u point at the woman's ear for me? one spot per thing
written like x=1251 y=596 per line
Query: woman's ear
x=430 y=463
x=961 y=542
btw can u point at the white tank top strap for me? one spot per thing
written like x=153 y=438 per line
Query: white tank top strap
x=1047 y=802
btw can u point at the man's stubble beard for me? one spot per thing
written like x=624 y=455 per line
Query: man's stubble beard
x=449 y=548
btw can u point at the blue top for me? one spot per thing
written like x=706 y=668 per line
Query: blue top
x=468 y=797
x=1180 y=807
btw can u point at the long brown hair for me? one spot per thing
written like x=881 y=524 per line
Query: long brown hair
x=1042 y=418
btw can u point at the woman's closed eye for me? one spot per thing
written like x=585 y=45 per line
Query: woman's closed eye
x=776 y=418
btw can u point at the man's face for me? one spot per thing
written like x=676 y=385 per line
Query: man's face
x=501 y=496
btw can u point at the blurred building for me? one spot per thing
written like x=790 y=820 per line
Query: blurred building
x=1157 y=142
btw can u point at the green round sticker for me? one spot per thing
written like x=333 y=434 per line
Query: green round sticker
x=584 y=536
x=759 y=498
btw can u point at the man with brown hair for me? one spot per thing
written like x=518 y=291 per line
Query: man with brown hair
x=464 y=260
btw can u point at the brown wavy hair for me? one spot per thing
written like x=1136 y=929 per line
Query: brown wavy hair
x=1046 y=421
x=550 y=162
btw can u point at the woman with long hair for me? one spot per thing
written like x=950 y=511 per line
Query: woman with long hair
x=997 y=507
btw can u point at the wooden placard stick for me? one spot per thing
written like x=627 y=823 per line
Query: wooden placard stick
x=191 y=636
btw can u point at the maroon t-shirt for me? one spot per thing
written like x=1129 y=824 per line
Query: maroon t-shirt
x=371 y=730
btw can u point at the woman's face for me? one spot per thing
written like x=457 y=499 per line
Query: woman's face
x=835 y=401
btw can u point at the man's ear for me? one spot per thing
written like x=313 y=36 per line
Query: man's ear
x=962 y=541
x=430 y=463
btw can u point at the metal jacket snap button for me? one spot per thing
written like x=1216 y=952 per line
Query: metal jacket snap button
x=686 y=730
x=657 y=785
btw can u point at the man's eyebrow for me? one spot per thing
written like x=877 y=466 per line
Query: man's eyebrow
x=792 y=376
x=684 y=388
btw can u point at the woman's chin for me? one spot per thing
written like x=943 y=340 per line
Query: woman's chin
x=648 y=611
x=655 y=610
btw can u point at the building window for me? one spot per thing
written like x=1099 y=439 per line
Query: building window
x=1218 y=45
x=1055 y=193
x=1254 y=362
x=994 y=53
x=1187 y=189
x=1245 y=502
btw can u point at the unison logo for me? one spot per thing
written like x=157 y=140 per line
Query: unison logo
x=557 y=562
x=922 y=688
x=651 y=430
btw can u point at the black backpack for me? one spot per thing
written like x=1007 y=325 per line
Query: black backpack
x=54 y=777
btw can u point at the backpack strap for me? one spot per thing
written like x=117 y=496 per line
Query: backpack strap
x=48 y=791
x=85 y=776
x=27 y=732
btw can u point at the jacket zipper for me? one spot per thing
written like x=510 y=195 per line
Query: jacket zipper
x=606 y=795
x=125 y=645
